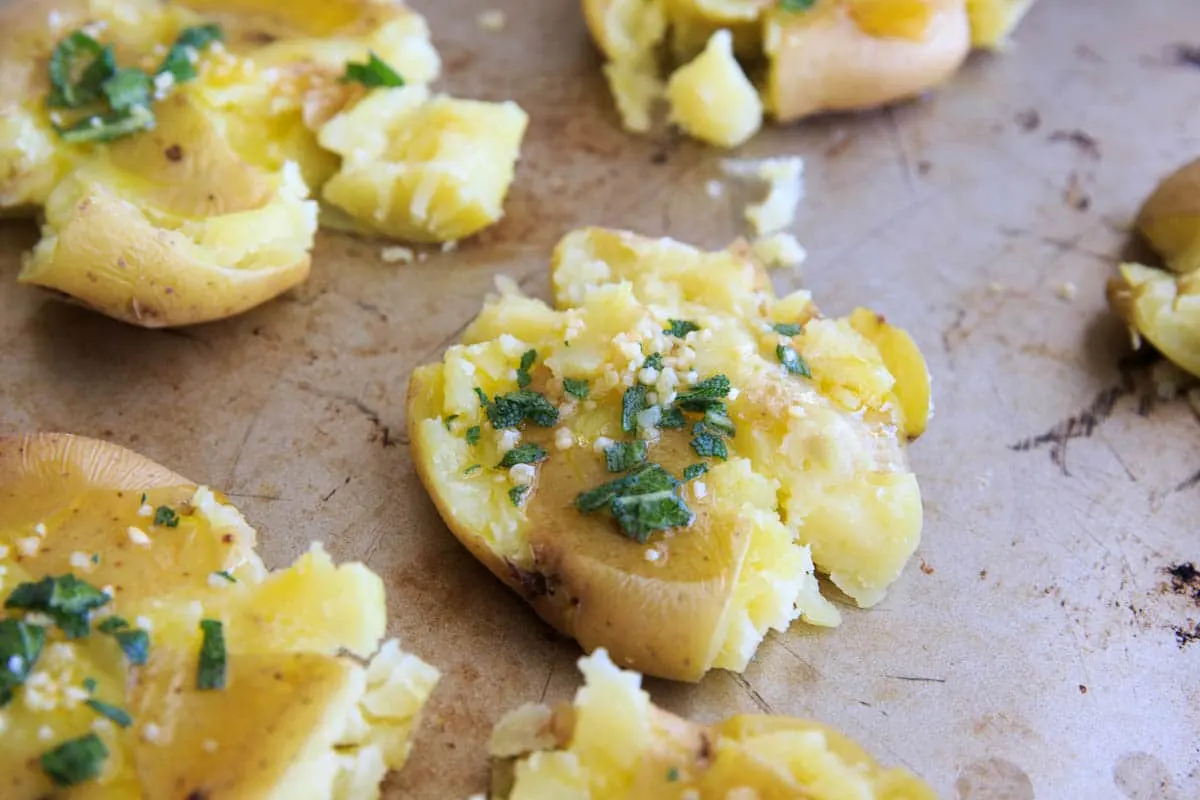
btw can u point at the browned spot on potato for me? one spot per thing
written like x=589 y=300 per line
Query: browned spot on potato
x=174 y=153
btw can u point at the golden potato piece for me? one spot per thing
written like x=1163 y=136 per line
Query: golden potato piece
x=421 y=168
x=612 y=742
x=123 y=666
x=1162 y=308
x=712 y=99
x=792 y=456
x=1170 y=218
x=826 y=60
x=993 y=21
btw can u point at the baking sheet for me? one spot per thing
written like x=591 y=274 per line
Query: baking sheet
x=1034 y=647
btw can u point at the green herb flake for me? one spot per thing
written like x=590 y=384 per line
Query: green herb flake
x=226 y=575
x=679 y=328
x=112 y=624
x=705 y=394
x=523 y=454
x=118 y=715
x=716 y=419
x=65 y=598
x=211 y=671
x=642 y=501
x=165 y=517
x=673 y=774
x=21 y=645
x=135 y=644
x=450 y=419
x=788 y=328
x=180 y=61
x=671 y=419
x=471 y=470
x=632 y=404
x=375 y=72
x=624 y=456
x=654 y=361
x=75 y=761
x=79 y=66
x=128 y=88
x=693 y=471
x=707 y=445
x=577 y=388
x=523 y=376
x=483 y=398
x=95 y=558
x=510 y=410
x=792 y=361
x=797 y=5
x=89 y=684
x=517 y=495
x=107 y=127
x=473 y=433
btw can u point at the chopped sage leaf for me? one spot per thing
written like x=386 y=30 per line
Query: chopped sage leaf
x=717 y=419
x=632 y=404
x=375 y=72
x=523 y=454
x=624 y=456
x=792 y=361
x=517 y=495
x=707 y=445
x=180 y=61
x=645 y=500
x=510 y=410
x=471 y=470
x=483 y=398
x=75 y=761
x=89 y=684
x=673 y=774
x=107 y=127
x=473 y=434
x=450 y=419
x=79 y=66
x=693 y=471
x=788 y=328
x=65 y=598
x=128 y=87
x=654 y=361
x=680 y=328
x=21 y=644
x=225 y=574
x=523 y=376
x=212 y=668
x=705 y=394
x=577 y=388
x=671 y=419
x=797 y=5
x=118 y=715
x=165 y=517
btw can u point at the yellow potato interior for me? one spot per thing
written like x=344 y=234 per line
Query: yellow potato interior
x=815 y=470
x=613 y=743
x=1163 y=308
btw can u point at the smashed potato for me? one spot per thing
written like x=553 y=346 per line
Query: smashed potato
x=1163 y=309
x=808 y=57
x=612 y=742
x=198 y=130
x=1170 y=219
x=148 y=653
x=657 y=463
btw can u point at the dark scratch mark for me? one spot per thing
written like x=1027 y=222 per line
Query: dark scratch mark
x=333 y=491
x=1120 y=460
x=1079 y=426
x=546 y=685
x=1074 y=196
x=1185 y=55
x=1188 y=483
x=383 y=431
x=1028 y=120
x=1062 y=245
x=1082 y=140
x=915 y=679
x=954 y=331
x=372 y=309
x=758 y=699
x=252 y=496
x=180 y=334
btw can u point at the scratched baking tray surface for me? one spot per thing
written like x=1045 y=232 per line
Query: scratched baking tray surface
x=1034 y=647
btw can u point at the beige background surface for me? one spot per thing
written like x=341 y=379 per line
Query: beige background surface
x=1027 y=652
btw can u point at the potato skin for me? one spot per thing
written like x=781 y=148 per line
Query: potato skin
x=823 y=61
x=1170 y=218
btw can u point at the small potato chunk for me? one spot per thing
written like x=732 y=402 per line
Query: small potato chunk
x=421 y=168
x=1163 y=308
x=712 y=99
x=1170 y=219
x=993 y=21
x=612 y=742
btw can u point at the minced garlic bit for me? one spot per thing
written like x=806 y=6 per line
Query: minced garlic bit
x=146 y=510
x=492 y=20
x=152 y=733
x=714 y=188
x=507 y=439
x=397 y=255
x=564 y=439
x=700 y=489
x=28 y=546
x=1067 y=291
x=81 y=561
x=652 y=554
x=522 y=474
x=45 y=733
x=40 y=529
x=138 y=536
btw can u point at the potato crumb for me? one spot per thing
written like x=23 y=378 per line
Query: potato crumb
x=450 y=246
x=492 y=20
x=45 y=733
x=1067 y=291
x=138 y=536
x=779 y=250
x=714 y=188
x=996 y=288
x=785 y=190
x=40 y=529
x=397 y=255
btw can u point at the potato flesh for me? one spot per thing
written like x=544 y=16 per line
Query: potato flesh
x=423 y=169
x=613 y=743
x=712 y=99
x=1163 y=308
x=284 y=631
x=827 y=453
x=993 y=21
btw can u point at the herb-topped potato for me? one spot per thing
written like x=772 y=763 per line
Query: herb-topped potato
x=612 y=742
x=146 y=652
x=657 y=463
x=806 y=56
x=174 y=146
